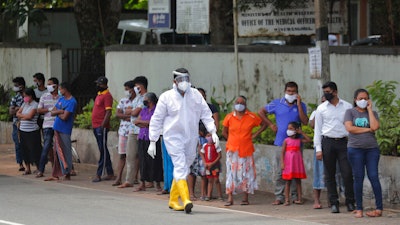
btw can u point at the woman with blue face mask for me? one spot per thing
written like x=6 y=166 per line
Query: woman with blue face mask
x=240 y=167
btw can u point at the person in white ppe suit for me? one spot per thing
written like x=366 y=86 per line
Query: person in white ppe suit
x=177 y=117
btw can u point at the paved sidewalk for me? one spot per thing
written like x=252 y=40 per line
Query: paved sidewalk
x=260 y=202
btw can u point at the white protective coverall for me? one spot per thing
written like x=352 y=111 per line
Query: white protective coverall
x=178 y=118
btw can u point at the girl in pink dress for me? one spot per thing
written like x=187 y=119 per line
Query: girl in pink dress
x=292 y=160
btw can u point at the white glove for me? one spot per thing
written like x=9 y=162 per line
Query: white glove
x=215 y=139
x=152 y=149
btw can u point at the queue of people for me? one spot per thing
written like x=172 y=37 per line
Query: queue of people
x=173 y=139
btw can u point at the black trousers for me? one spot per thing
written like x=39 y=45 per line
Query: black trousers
x=336 y=150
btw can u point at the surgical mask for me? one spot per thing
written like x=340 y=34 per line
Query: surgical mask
x=184 y=85
x=27 y=99
x=240 y=107
x=59 y=93
x=290 y=133
x=16 y=89
x=290 y=98
x=146 y=103
x=362 y=103
x=128 y=94
x=328 y=96
x=50 y=88
x=137 y=90
x=209 y=139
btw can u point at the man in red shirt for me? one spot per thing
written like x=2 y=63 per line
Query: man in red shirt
x=101 y=124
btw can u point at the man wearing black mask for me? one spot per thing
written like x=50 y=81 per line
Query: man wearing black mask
x=101 y=115
x=330 y=141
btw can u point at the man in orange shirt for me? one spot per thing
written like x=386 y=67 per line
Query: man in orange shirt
x=101 y=124
x=240 y=167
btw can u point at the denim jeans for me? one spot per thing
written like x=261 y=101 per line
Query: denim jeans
x=104 y=163
x=17 y=144
x=48 y=134
x=361 y=159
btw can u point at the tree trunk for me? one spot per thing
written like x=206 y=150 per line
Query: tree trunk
x=221 y=22
x=97 y=22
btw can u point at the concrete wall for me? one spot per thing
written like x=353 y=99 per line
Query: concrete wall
x=265 y=158
x=263 y=71
x=27 y=59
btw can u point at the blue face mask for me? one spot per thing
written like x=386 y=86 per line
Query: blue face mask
x=240 y=107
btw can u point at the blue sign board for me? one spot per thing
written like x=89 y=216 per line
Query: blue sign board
x=159 y=20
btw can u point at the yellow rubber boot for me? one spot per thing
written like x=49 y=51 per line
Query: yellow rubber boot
x=184 y=193
x=174 y=198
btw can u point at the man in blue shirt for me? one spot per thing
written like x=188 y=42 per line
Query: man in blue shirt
x=287 y=109
x=64 y=110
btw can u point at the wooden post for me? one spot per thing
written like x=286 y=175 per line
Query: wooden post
x=321 y=34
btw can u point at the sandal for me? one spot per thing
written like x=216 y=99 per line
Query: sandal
x=245 y=203
x=374 y=213
x=298 y=202
x=140 y=189
x=287 y=203
x=317 y=206
x=27 y=173
x=39 y=175
x=358 y=213
x=116 y=183
x=277 y=202
x=125 y=185
x=228 y=203
x=51 y=179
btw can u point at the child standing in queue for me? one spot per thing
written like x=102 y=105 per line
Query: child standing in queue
x=211 y=156
x=292 y=164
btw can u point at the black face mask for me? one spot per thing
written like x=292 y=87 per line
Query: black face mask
x=146 y=103
x=100 y=89
x=328 y=96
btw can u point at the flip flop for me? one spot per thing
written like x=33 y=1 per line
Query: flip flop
x=51 y=179
x=125 y=185
x=298 y=202
x=27 y=173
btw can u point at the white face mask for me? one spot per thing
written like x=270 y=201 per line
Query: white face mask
x=240 y=107
x=290 y=98
x=362 y=103
x=137 y=90
x=290 y=133
x=16 y=89
x=183 y=86
x=50 y=88
x=128 y=94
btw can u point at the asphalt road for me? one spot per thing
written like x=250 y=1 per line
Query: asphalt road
x=34 y=202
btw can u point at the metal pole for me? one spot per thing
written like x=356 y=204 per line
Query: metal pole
x=321 y=33
x=235 y=41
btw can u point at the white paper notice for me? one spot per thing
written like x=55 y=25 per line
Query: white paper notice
x=192 y=16
x=315 y=58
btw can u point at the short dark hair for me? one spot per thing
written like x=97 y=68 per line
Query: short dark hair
x=291 y=84
x=129 y=84
x=296 y=125
x=141 y=80
x=19 y=80
x=330 y=84
x=30 y=92
x=242 y=96
x=358 y=91
x=54 y=80
x=202 y=128
x=39 y=76
x=202 y=90
x=66 y=85
x=181 y=70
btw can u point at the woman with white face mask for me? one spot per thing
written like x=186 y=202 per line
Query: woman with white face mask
x=363 y=151
x=240 y=167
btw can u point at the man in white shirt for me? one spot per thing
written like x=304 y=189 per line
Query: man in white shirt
x=330 y=140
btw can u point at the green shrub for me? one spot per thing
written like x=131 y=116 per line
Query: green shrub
x=388 y=106
x=84 y=120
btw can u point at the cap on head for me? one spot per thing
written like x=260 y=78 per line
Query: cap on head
x=102 y=80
